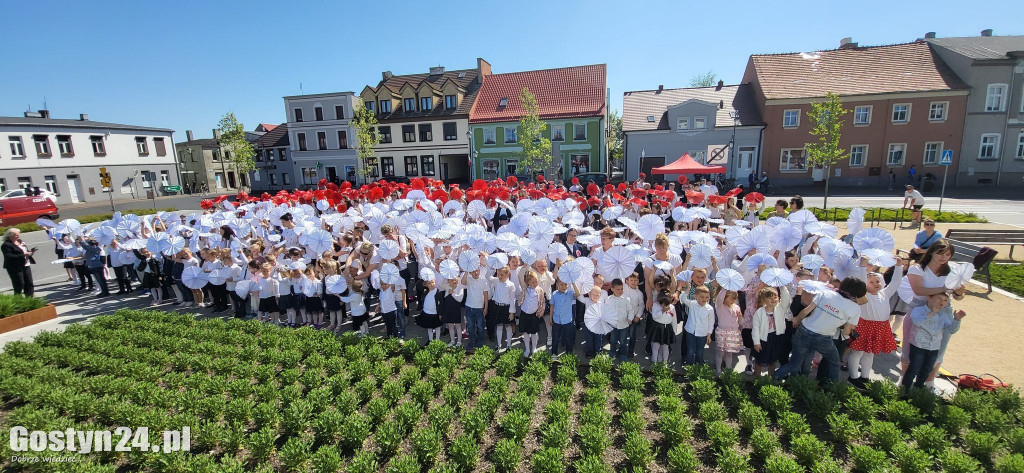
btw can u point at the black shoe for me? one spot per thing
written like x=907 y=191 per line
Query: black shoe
x=81 y=288
x=104 y=294
x=859 y=383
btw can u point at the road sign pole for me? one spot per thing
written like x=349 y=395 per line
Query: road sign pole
x=943 y=193
x=946 y=162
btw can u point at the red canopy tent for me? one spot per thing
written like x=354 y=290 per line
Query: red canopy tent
x=687 y=165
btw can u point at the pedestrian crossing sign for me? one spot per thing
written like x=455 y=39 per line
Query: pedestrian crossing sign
x=947 y=157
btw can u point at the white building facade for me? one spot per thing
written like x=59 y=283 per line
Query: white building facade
x=65 y=156
x=321 y=138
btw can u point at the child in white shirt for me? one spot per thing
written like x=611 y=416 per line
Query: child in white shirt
x=699 y=325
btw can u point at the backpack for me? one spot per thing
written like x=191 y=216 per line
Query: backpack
x=984 y=256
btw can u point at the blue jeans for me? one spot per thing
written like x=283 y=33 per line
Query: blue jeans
x=390 y=323
x=595 y=342
x=475 y=327
x=400 y=319
x=563 y=335
x=805 y=344
x=921 y=363
x=694 y=349
x=620 y=342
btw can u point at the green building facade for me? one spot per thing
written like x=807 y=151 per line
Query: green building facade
x=578 y=145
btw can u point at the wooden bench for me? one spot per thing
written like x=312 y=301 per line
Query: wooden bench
x=965 y=253
x=987 y=237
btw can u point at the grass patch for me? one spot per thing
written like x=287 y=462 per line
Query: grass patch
x=1009 y=277
x=883 y=214
x=32 y=227
x=11 y=304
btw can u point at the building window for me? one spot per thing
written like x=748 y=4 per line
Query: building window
x=1020 y=145
x=342 y=139
x=282 y=154
x=286 y=179
x=17 y=148
x=298 y=114
x=896 y=153
x=995 y=98
x=989 y=146
x=273 y=179
x=426 y=104
x=937 y=111
x=579 y=163
x=309 y=176
x=385 y=106
x=932 y=152
x=511 y=167
x=385 y=134
x=43 y=145
x=51 y=184
x=142 y=146
x=321 y=140
x=412 y=166
x=699 y=156
x=3 y=184
x=683 y=123
x=387 y=167
x=158 y=143
x=302 y=141
x=64 y=146
x=650 y=118
x=490 y=169
x=318 y=112
x=408 y=133
x=409 y=104
x=489 y=136
x=450 y=131
x=339 y=112
x=98 y=147
x=24 y=182
x=427 y=165
x=450 y=102
x=510 y=134
x=862 y=115
x=371 y=165
x=699 y=123
x=164 y=176
x=426 y=134
x=557 y=132
x=369 y=105
x=793 y=160
x=790 y=118
x=901 y=113
x=216 y=154
x=580 y=133
x=858 y=153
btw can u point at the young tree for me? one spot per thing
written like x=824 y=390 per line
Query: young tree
x=706 y=79
x=827 y=117
x=237 y=150
x=536 y=153
x=364 y=122
x=615 y=152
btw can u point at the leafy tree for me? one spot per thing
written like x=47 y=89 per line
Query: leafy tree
x=615 y=152
x=364 y=122
x=238 y=151
x=706 y=79
x=827 y=117
x=536 y=154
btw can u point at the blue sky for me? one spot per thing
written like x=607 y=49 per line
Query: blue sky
x=181 y=65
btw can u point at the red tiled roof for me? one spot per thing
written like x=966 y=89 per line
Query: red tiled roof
x=910 y=67
x=267 y=126
x=565 y=92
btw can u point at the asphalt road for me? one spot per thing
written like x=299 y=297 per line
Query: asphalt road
x=1010 y=212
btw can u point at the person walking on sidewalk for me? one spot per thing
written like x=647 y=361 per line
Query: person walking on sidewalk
x=17 y=261
x=913 y=197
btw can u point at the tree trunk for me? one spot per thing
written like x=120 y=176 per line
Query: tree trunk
x=828 y=177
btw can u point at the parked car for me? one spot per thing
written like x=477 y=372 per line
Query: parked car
x=599 y=178
x=15 y=210
x=19 y=192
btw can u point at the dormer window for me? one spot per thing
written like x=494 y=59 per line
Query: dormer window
x=410 y=105
x=650 y=118
x=385 y=106
x=503 y=102
x=699 y=123
x=450 y=102
x=426 y=104
x=683 y=123
x=368 y=104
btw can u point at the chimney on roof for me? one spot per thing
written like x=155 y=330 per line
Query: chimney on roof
x=847 y=43
x=721 y=104
x=44 y=113
x=661 y=88
x=188 y=135
x=33 y=115
x=986 y=32
x=386 y=75
x=83 y=117
x=929 y=35
x=720 y=85
x=436 y=71
x=483 y=68
x=216 y=133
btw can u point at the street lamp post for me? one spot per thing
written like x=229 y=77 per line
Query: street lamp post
x=735 y=115
x=472 y=164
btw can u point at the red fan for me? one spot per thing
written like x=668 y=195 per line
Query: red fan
x=455 y=193
x=512 y=180
x=535 y=193
x=683 y=180
x=659 y=187
x=219 y=199
x=575 y=180
x=754 y=197
x=642 y=175
x=639 y=193
x=322 y=183
x=638 y=202
x=592 y=189
x=206 y=204
x=694 y=197
x=540 y=178
x=594 y=201
x=717 y=199
x=734 y=192
x=242 y=196
x=621 y=187
x=479 y=184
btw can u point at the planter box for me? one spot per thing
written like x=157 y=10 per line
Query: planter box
x=25 y=319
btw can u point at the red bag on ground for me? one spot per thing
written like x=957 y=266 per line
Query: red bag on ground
x=980 y=383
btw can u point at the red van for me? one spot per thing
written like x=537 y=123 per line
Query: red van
x=17 y=210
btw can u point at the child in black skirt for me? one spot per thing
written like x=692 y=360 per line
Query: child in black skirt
x=151 y=275
x=429 y=317
x=313 y=289
x=532 y=304
x=450 y=308
x=768 y=326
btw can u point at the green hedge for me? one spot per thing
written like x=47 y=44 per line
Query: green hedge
x=32 y=227
x=11 y=304
x=1009 y=277
x=889 y=215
